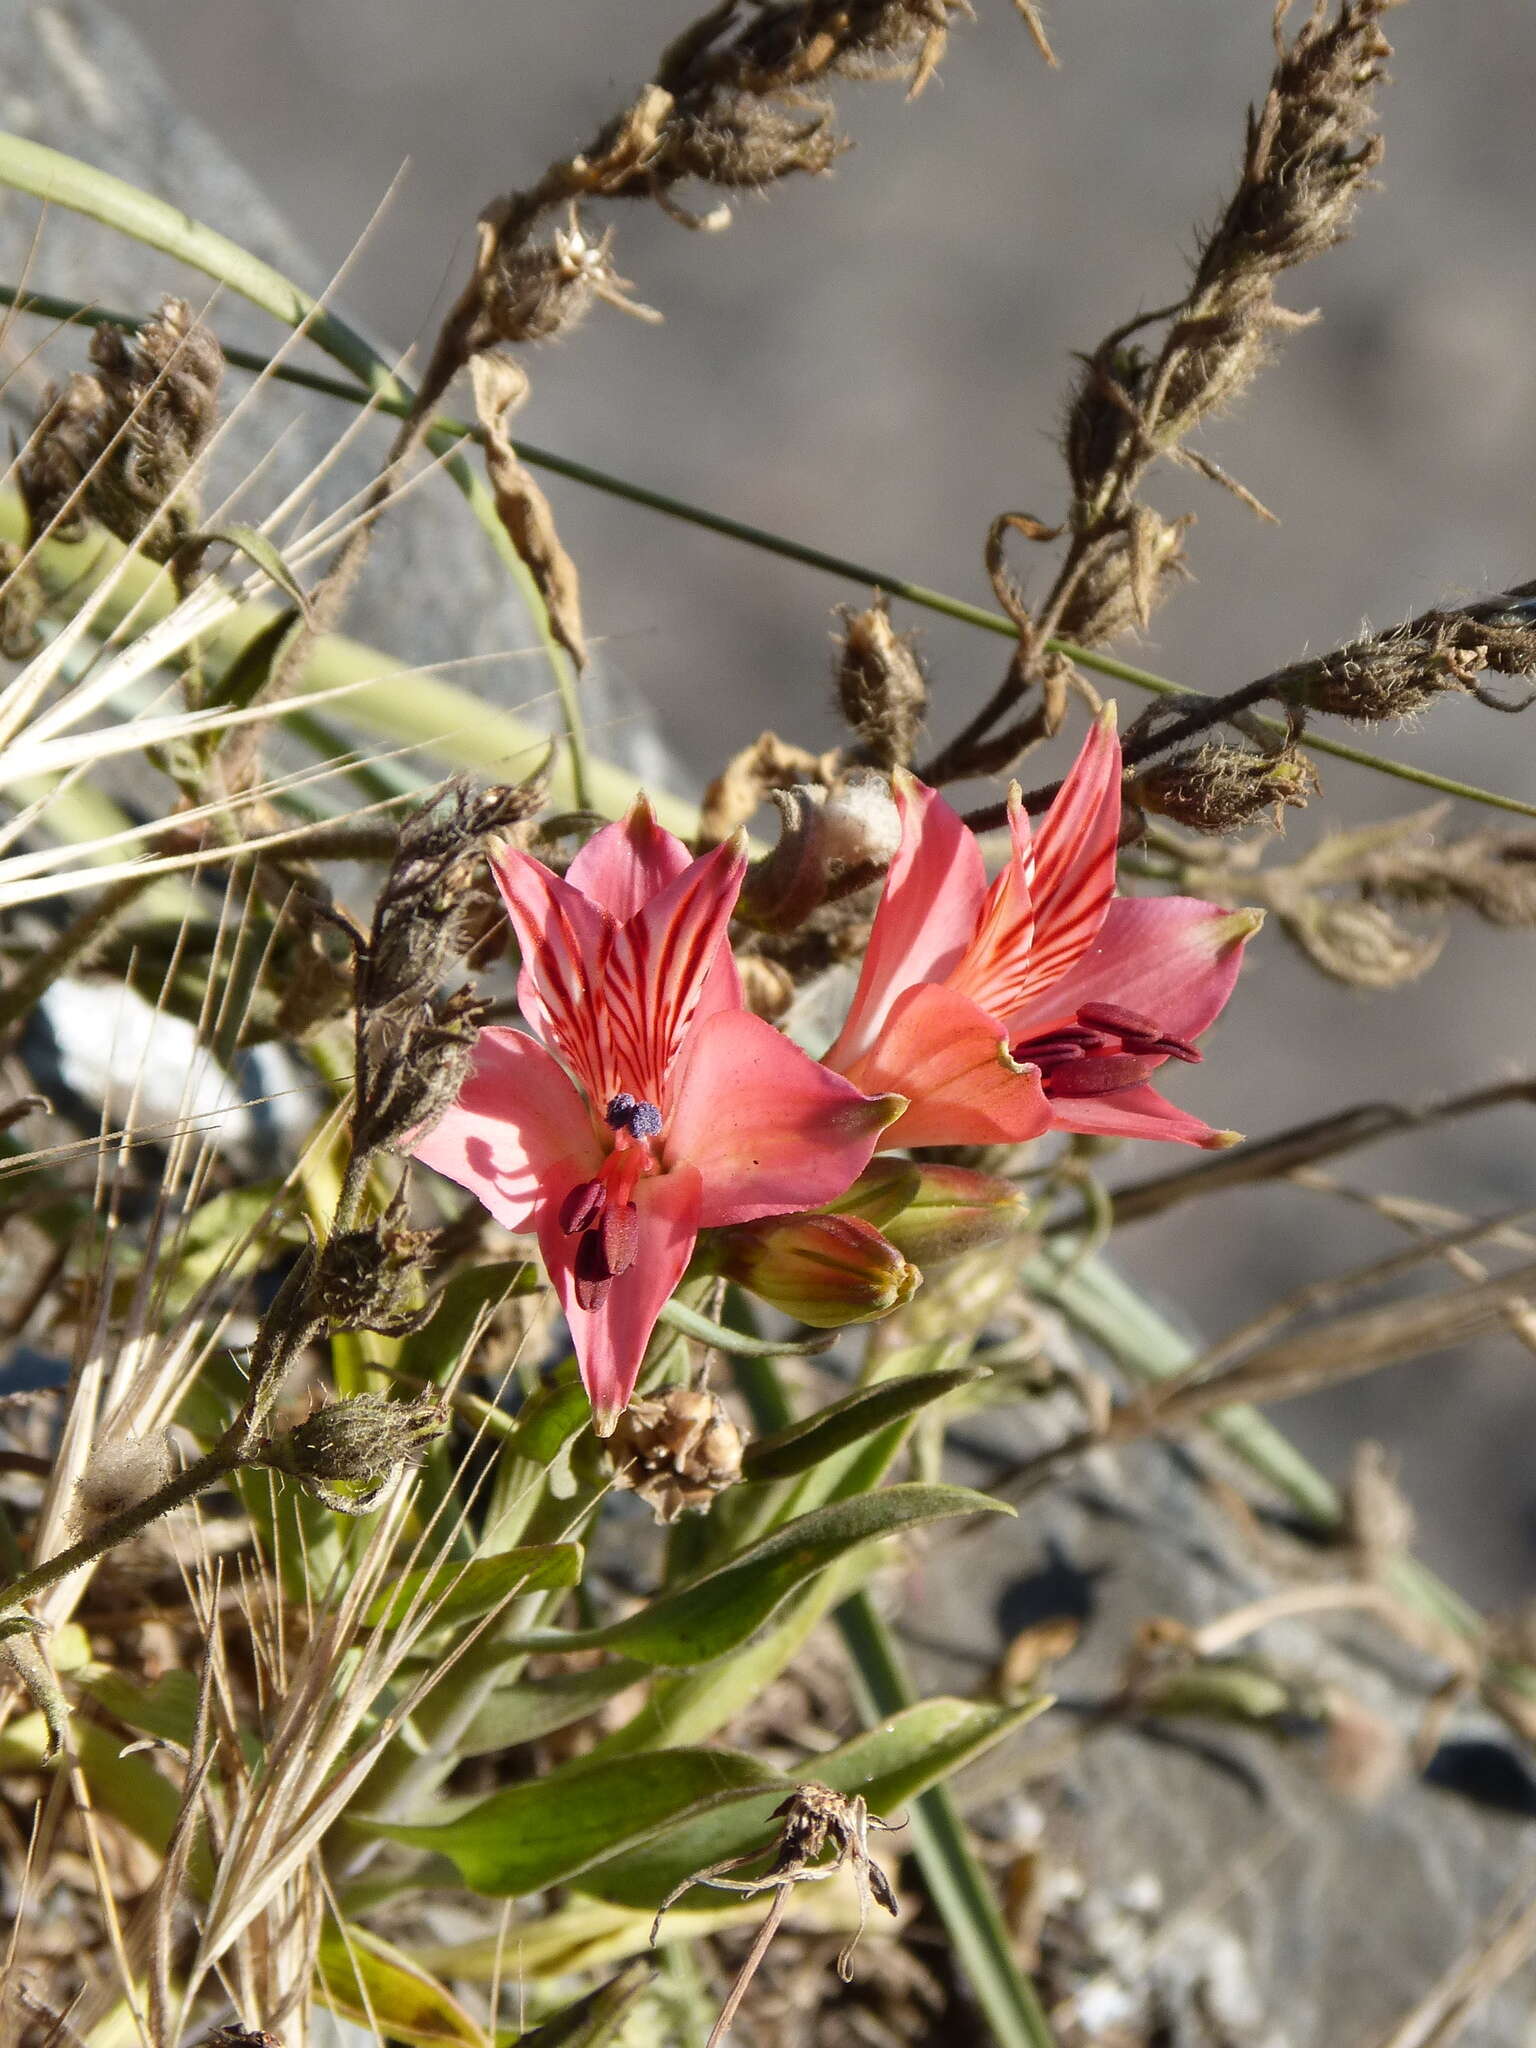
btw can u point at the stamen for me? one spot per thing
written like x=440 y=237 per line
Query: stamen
x=620 y=1234
x=590 y=1272
x=583 y=1206
x=1103 y=1049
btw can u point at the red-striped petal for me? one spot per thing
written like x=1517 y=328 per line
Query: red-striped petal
x=997 y=963
x=517 y=1117
x=622 y=867
x=1136 y=1113
x=659 y=965
x=565 y=941
x=928 y=911
x=1074 y=879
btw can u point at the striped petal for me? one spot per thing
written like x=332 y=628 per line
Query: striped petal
x=622 y=867
x=928 y=911
x=1074 y=879
x=659 y=965
x=1137 y=1113
x=517 y=1115
x=767 y=1127
x=1173 y=959
x=565 y=941
x=952 y=1060
x=996 y=964
x=610 y=1341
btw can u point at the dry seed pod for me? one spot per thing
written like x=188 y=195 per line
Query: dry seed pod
x=1218 y=788
x=881 y=689
x=677 y=1450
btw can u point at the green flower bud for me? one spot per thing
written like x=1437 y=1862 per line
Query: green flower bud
x=954 y=1209
x=823 y=1270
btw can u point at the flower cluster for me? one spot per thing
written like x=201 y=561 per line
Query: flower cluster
x=653 y=1105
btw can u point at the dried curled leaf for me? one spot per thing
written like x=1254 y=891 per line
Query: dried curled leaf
x=523 y=508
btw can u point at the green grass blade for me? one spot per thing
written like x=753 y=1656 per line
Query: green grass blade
x=60 y=180
x=956 y=1882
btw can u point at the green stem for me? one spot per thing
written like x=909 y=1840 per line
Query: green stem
x=446 y=431
x=197 y=1478
x=956 y=1882
x=60 y=180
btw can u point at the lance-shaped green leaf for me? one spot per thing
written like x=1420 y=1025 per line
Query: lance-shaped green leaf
x=548 y=1831
x=804 y=1444
x=697 y=1623
x=463 y=1592
x=887 y=1766
x=368 y=1979
x=536 y=1707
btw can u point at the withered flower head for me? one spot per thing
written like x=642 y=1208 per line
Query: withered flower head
x=537 y=291
x=1218 y=788
x=739 y=141
x=362 y=1442
x=831 y=843
x=677 y=1450
x=120 y=443
x=881 y=689
x=22 y=603
x=120 y=1472
x=373 y=1279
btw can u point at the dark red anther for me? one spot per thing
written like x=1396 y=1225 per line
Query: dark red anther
x=1123 y=1023
x=583 y=1206
x=591 y=1272
x=620 y=1232
x=1101 y=1073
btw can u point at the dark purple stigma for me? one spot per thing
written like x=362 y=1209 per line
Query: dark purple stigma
x=627 y=1113
x=1102 y=1050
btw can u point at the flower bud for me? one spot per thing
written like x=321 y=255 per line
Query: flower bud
x=361 y=1442
x=822 y=1270
x=676 y=1450
x=882 y=1191
x=954 y=1210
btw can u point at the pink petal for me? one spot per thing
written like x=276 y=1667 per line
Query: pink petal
x=996 y=965
x=660 y=964
x=610 y=1341
x=928 y=912
x=622 y=867
x=517 y=1115
x=1173 y=959
x=1075 y=847
x=565 y=941
x=1137 y=1113
x=952 y=1060
x=768 y=1129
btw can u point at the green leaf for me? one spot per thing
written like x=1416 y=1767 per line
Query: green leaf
x=887 y=1766
x=538 y=1706
x=231 y=1221
x=367 y=1979
x=794 y=1450
x=595 y=2020
x=251 y=541
x=432 y=1352
x=550 y=1417
x=463 y=1592
x=239 y=683
x=166 y=1709
x=714 y=1614
x=547 y=1831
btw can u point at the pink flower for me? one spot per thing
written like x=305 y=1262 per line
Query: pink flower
x=661 y=1106
x=1045 y=1001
